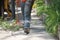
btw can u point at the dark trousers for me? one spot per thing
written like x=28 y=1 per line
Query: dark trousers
x=1 y=7
x=13 y=8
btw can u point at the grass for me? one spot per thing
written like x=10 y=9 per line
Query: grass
x=6 y=25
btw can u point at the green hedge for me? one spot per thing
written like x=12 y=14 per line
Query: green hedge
x=52 y=10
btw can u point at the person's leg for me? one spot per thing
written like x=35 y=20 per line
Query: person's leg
x=1 y=6
x=13 y=8
x=22 y=8
x=27 y=13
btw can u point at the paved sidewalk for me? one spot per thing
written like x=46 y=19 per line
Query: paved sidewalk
x=37 y=32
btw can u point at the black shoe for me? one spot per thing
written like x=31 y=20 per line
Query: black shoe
x=27 y=30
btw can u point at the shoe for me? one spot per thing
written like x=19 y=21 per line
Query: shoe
x=27 y=30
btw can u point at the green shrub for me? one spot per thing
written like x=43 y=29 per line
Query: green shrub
x=53 y=12
x=9 y=26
